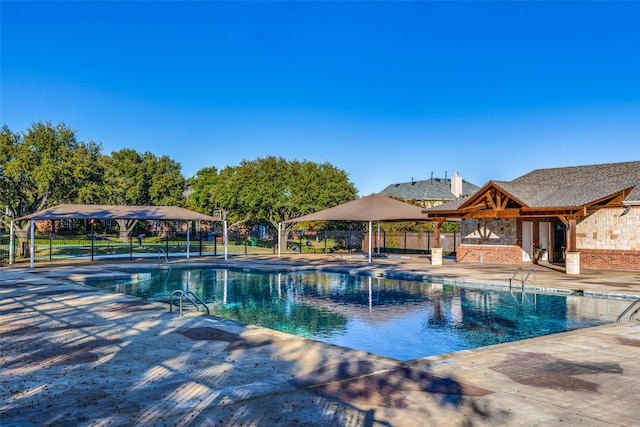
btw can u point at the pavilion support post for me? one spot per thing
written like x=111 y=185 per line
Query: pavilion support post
x=226 y=240
x=436 y=256
x=51 y=240
x=11 y=242
x=436 y=250
x=572 y=263
x=571 y=235
x=572 y=260
x=188 y=238
x=370 y=231
x=32 y=244
x=279 y=237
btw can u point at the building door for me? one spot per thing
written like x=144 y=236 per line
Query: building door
x=559 y=242
x=527 y=241
x=543 y=240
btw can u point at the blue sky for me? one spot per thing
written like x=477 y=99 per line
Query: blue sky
x=387 y=91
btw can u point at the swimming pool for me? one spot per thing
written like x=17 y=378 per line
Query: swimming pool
x=401 y=319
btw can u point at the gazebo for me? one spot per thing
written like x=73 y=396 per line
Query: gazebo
x=374 y=207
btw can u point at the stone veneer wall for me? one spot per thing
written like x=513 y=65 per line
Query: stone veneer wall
x=606 y=229
x=489 y=240
x=489 y=231
x=608 y=240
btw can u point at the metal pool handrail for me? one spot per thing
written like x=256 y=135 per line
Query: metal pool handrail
x=522 y=281
x=188 y=295
x=626 y=310
x=166 y=259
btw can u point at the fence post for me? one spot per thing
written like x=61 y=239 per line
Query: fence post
x=405 y=242
x=325 y=241
x=454 y=241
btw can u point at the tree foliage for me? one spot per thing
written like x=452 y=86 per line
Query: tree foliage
x=133 y=178
x=277 y=190
x=45 y=166
x=202 y=192
x=271 y=189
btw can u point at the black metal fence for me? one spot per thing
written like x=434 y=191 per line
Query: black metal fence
x=67 y=246
x=407 y=242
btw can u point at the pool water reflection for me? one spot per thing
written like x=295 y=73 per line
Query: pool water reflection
x=396 y=318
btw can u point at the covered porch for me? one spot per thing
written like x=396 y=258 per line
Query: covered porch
x=499 y=227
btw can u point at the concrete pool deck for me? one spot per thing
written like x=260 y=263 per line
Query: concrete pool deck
x=72 y=355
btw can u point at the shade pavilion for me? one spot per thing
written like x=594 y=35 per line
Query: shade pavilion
x=80 y=211
x=374 y=207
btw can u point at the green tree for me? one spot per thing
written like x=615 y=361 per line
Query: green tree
x=44 y=166
x=141 y=179
x=124 y=179
x=167 y=185
x=276 y=190
x=201 y=187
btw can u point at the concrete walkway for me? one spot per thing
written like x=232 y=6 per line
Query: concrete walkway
x=77 y=356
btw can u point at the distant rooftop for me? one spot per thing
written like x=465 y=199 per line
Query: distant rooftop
x=433 y=189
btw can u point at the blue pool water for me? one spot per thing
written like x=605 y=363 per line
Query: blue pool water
x=401 y=319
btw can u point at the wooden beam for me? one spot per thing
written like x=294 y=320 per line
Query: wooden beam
x=504 y=203
x=571 y=235
x=479 y=206
x=508 y=213
x=436 y=232
x=489 y=198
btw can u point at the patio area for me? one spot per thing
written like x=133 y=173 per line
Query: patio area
x=75 y=355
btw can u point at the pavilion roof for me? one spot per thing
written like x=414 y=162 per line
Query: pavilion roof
x=78 y=211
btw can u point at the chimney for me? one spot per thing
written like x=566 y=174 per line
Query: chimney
x=456 y=185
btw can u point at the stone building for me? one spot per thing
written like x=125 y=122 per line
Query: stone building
x=578 y=216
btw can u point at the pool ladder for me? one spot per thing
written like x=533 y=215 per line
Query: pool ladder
x=190 y=296
x=526 y=278
x=628 y=309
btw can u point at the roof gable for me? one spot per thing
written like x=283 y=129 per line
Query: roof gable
x=569 y=189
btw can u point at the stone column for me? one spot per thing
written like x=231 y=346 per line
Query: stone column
x=572 y=263
x=436 y=256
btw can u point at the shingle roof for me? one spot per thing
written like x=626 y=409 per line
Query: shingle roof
x=428 y=189
x=449 y=206
x=573 y=186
